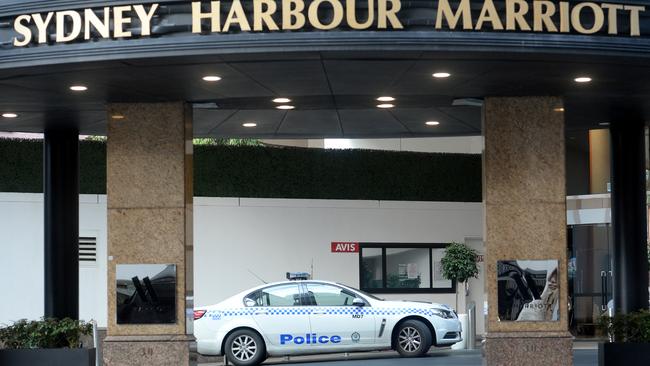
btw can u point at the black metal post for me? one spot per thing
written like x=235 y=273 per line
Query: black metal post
x=629 y=216
x=61 y=188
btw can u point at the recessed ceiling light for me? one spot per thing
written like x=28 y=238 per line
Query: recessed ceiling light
x=286 y=107
x=559 y=109
x=385 y=106
x=385 y=99
x=432 y=123
x=250 y=125
x=211 y=78
x=9 y=115
x=604 y=123
x=117 y=116
x=281 y=100
x=441 y=75
x=582 y=79
x=78 y=88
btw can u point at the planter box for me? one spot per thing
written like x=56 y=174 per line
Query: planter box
x=610 y=354
x=48 y=357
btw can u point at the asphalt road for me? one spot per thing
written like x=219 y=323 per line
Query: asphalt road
x=439 y=358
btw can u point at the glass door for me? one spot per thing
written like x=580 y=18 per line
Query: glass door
x=590 y=277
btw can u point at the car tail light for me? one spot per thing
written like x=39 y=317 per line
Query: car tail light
x=198 y=314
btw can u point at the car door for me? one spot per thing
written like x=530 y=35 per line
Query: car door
x=280 y=316
x=335 y=322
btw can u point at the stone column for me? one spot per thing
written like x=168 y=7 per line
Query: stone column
x=149 y=188
x=525 y=219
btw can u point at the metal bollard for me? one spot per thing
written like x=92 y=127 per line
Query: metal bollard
x=471 y=325
x=98 y=362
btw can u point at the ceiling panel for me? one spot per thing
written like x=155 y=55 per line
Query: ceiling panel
x=365 y=77
x=311 y=123
x=288 y=78
x=323 y=86
x=363 y=121
x=268 y=121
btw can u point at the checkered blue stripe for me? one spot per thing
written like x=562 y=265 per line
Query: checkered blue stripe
x=308 y=310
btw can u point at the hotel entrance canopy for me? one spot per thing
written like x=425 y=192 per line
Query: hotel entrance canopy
x=332 y=58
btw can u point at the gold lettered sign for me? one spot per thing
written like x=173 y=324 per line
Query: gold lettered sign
x=127 y=21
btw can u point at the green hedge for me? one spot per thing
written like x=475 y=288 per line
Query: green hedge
x=21 y=166
x=229 y=171
x=336 y=174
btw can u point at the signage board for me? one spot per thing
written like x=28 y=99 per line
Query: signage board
x=528 y=290
x=345 y=247
x=146 y=293
x=217 y=17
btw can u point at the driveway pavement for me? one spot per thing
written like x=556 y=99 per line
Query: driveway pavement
x=581 y=357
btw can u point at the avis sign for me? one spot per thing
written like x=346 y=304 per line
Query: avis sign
x=345 y=247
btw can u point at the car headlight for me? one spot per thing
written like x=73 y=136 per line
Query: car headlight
x=445 y=314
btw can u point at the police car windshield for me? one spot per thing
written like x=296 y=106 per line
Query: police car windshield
x=363 y=293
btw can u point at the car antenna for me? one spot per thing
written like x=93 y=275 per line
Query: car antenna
x=256 y=276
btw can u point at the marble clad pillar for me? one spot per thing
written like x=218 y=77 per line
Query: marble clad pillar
x=149 y=188
x=525 y=219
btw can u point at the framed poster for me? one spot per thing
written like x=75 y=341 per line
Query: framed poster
x=146 y=293
x=528 y=290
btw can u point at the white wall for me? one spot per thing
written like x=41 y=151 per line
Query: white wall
x=231 y=236
x=21 y=257
x=272 y=236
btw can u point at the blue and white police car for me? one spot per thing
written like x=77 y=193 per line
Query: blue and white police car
x=306 y=317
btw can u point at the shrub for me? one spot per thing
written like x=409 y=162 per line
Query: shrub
x=45 y=333
x=459 y=263
x=633 y=327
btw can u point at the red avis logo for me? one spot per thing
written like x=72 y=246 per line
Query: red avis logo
x=345 y=247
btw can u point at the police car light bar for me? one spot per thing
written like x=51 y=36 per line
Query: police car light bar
x=298 y=276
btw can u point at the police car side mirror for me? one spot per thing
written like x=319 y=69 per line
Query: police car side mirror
x=249 y=302
x=358 y=302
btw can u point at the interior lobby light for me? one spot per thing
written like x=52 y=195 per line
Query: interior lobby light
x=79 y=88
x=117 y=116
x=286 y=107
x=441 y=75
x=559 y=109
x=582 y=79
x=385 y=99
x=211 y=78
x=9 y=115
x=281 y=100
x=432 y=123
x=250 y=125
x=385 y=106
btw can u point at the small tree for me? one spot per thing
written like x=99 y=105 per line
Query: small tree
x=459 y=264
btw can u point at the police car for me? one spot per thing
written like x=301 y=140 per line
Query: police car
x=305 y=317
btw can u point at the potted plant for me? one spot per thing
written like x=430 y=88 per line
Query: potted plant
x=46 y=342
x=629 y=339
x=459 y=264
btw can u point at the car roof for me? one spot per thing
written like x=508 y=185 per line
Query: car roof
x=292 y=282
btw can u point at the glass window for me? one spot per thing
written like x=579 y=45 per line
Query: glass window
x=371 y=268
x=395 y=268
x=282 y=295
x=408 y=268
x=327 y=295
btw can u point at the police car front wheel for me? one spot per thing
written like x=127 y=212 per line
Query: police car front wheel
x=413 y=339
x=245 y=348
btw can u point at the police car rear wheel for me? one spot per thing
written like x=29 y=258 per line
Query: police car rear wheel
x=245 y=348
x=413 y=339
